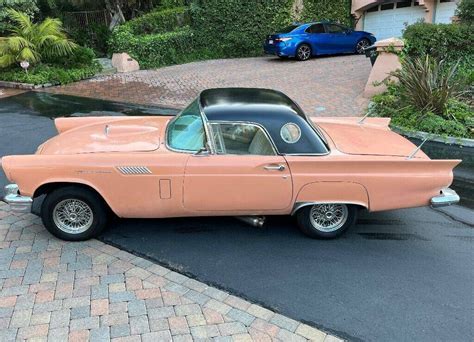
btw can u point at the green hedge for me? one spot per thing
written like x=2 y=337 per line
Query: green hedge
x=154 y=50
x=338 y=10
x=42 y=74
x=217 y=29
x=159 y=21
x=445 y=41
x=237 y=28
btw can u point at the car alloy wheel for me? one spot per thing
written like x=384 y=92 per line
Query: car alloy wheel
x=304 y=52
x=360 y=48
x=73 y=216
x=328 y=217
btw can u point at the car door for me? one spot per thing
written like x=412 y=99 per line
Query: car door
x=340 y=38
x=320 y=40
x=244 y=174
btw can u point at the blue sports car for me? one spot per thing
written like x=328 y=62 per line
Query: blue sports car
x=319 y=38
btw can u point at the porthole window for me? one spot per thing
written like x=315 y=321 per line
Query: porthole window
x=290 y=133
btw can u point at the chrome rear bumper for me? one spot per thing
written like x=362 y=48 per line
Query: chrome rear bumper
x=447 y=197
x=18 y=203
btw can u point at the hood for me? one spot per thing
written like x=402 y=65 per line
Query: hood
x=128 y=135
x=370 y=138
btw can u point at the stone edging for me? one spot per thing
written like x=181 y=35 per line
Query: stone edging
x=461 y=142
x=24 y=86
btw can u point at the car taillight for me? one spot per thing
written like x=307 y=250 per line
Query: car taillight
x=282 y=39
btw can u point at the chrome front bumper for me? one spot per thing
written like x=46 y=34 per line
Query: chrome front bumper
x=18 y=203
x=447 y=197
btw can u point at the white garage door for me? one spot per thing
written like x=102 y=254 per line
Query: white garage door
x=389 y=19
x=445 y=10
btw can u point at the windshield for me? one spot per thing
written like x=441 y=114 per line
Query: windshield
x=186 y=132
x=288 y=29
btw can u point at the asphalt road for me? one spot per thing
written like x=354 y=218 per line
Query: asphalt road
x=398 y=276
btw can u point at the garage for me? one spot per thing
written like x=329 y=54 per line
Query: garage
x=389 y=19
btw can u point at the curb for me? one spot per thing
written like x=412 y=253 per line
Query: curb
x=461 y=142
x=24 y=86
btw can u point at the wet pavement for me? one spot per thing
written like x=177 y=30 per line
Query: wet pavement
x=400 y=275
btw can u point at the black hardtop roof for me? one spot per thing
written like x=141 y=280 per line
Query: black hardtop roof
x=268 y=108
x=247 y=103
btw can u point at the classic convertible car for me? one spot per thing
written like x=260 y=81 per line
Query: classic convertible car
x=231 y=152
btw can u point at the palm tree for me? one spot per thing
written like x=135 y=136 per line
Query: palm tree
x=33 y=41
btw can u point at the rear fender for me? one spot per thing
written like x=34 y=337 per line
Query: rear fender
x=332 y=192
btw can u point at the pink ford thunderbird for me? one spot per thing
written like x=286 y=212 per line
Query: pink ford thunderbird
x=232 y=152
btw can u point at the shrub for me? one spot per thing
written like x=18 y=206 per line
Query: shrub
x=426 y=85
x=154 y=50
x=465 y=11
x=29 y=7
x=33 y=41
x=42 y=74
x=82 y=56
x=456 y=124
x=159 y=21
x=451 y=42
x=94 y=36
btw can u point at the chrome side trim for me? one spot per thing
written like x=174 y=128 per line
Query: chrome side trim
x=134 y=170
x=446 y=197
x=18 y=203
x=299 y=205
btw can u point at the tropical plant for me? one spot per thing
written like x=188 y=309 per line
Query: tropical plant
x=427 y=84
x=31 y=42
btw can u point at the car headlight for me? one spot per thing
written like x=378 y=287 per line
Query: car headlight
x=283 y=39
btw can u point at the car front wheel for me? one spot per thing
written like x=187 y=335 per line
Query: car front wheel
x=74 y=213
x=326 y=220
x=303 y=53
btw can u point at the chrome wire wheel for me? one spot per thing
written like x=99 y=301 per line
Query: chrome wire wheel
x=360 y=47
x=328 y=217
x=304 y=52
x=73 y=216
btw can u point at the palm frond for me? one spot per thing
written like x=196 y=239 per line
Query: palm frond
x=7 y=60
x=21 y=20
x=29 y=55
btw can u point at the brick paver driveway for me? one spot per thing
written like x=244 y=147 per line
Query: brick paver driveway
x=58 y=291
x=322 y=86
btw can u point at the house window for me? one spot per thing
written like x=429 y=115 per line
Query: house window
x=373 y=9
x=403 y=4
x=385 y=7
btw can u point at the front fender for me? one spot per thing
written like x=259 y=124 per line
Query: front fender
x=332 y=192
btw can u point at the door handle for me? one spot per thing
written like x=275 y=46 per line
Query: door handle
x=274 y=167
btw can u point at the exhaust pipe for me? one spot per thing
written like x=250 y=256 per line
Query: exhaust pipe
x=256 y=221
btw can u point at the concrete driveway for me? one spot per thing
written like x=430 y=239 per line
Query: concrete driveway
x=324 y=86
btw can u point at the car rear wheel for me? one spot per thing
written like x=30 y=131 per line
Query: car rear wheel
x=74 y=213
x=361 y=45
x=326 y=220
x=303 y=53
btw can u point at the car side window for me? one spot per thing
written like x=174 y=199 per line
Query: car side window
x=335 y=28
x=316 y=28
x=241 y=139
x=186 y=132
